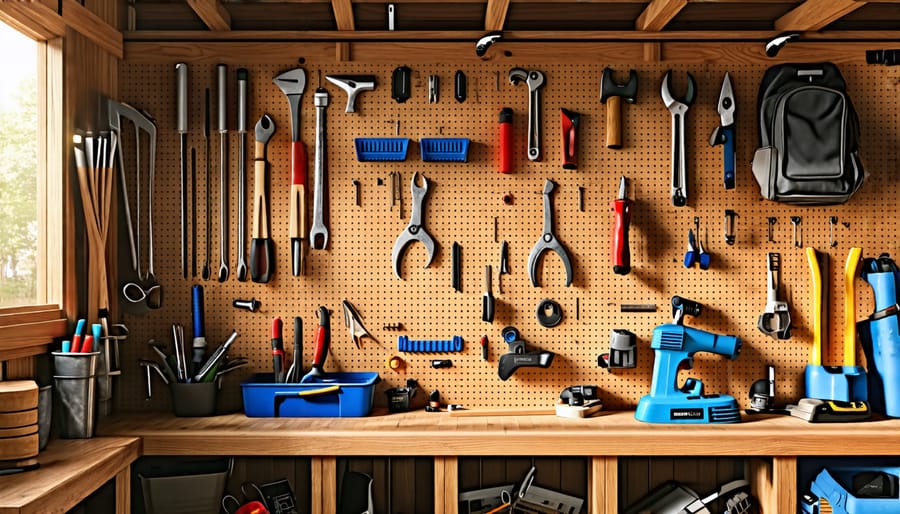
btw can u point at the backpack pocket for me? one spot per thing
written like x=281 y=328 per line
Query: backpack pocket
x=809 y=132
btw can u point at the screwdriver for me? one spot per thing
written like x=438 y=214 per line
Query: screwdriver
x=277 y=351
x=621 y=255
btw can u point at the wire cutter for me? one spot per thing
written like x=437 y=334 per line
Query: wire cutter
x=679 y=109
x=724 y=133
x=415 y=231
x=354 y=324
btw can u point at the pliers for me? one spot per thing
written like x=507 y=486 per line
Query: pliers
x=354 y=324
x=724 y=133
x=415 y=231
x=696 y=253
x=548 y=241
x=679 y=109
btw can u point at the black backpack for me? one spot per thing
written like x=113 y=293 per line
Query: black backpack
x=809 y=136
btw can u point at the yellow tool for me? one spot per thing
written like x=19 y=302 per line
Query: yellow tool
x=850 y=306
x=815 y=355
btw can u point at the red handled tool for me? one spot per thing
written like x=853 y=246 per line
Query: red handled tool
x=506 y=140
x=621 y=255
x=293 y=84
x=277 y=351
x=570 y=121
x=323 y=341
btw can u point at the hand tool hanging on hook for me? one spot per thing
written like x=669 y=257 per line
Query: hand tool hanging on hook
x=612 y=95
x=318 y=232
x=415 y=231
x=205 y=272
x=293 y=84
x=621 y=253
x=570 y=121
x=323 y=342
x=535 y=80
x=221 y=74
x=242 y=174
x=353 y=322
x=679 y=109
x=548 y=240
x=775 y=321
x=353 y=85
x=262 y=248
x=725 y=133
x=181 y=75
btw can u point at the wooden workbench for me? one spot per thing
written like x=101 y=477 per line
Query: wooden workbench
x=70 y=471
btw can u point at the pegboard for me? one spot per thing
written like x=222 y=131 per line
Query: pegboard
x=465 y=199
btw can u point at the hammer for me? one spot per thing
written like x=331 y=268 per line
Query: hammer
x=613 y=92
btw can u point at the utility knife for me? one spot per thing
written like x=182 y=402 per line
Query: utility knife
x=724 y=133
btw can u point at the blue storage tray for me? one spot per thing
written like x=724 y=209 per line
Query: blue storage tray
x=444 y=149
x=381 y=148
x=338 y=395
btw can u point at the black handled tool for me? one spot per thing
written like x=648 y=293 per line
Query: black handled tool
x=487 y=301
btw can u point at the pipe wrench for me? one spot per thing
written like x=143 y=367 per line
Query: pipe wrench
x=679 y=109
x=535 y=80
x=775 y=322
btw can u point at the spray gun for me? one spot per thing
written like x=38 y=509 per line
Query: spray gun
x=518 y=356
x=674 y=346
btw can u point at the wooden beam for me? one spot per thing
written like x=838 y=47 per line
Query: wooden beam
x=212 y=13
x=816 y=14
x=40 y=20
x=343 y=14
x=658 y=14
x=495 y=16
x=33 y=19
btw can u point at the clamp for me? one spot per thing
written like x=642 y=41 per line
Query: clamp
x=415 y=231
x=548 y=240
x=535 y=80
x=679 y=109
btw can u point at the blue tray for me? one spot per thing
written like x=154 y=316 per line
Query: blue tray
x=338 y=395
x=381 y=148
x=444 y=149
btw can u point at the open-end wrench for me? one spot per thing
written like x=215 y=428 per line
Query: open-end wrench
x=548 y=240
x=415 y=231
x=535 y=80
x=221 y=73
x=318 y=232
x=242 y=174
x=679 y=111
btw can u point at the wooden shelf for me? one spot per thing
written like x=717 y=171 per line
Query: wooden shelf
x=421 y=433
x=70 y=471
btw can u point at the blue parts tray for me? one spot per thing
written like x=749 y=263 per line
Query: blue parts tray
x=444 y=149
x=381 y=148
x=404 y=344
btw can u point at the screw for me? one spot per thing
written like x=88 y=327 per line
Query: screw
x=251 y=305
x=798 y=240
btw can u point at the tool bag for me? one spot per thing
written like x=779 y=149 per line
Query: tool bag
x=809 y=136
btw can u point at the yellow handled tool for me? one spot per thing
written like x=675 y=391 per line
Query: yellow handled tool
x=850 y=306
x=815 y=355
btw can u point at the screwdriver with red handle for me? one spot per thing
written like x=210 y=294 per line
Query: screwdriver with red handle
x=323 y=341
x=621 y=255
x=277 y=351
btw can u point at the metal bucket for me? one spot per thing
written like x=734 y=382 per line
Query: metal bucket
x=45 y=410
x=76 y=401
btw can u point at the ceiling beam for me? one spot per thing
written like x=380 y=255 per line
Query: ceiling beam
x=212 y=13
x=816 y=14
x=343 y=14
x=658 y=14
x=495 y=16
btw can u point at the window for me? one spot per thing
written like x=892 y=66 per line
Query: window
x=20 y=252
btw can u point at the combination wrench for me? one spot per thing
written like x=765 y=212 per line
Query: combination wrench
x=242 y=174
x=535 y=80
x=318 y=232
x=223 y=175
x=679 y=109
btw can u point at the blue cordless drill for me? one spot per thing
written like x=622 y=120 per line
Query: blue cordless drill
x=675 y=346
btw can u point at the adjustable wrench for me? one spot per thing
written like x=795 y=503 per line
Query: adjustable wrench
x=535 y=80
x=679 y=109
x=318 y=233
x=242 y=174
x=223 y=174
x=548 y=240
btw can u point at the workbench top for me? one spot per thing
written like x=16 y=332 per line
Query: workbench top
x=71 y=469
x=438 y=434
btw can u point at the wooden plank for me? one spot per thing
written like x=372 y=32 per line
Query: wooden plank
x=20 y=369
x=34 y=314
x=760 y=476
x=816 y=14
x=91 y=26
x=343 y=14
x=603 y=485
x=658 y=14
x=22 y=352
x=439 y=483
x=30 y=334
x=784 y=483
x=212 y=13
x=329 y=485
x=33 y=19
x=315 y=484
x=123 y=491
x=59 y=484
x=495 y=15
x=503 y=411
x=342 y=52
x=451 y=489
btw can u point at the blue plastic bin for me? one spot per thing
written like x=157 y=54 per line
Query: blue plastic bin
x=830 y=488
x=337 y=395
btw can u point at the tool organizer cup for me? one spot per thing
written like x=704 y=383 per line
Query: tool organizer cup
x=75 y=381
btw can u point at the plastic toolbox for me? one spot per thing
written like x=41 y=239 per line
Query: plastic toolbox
x=862 y=490
x=340 y=395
